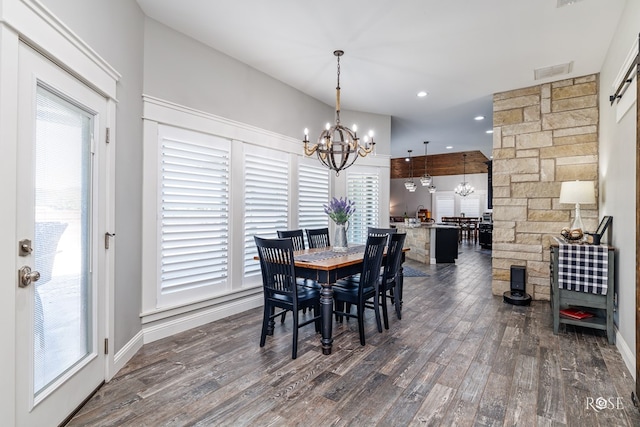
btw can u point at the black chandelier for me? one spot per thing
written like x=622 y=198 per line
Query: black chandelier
x=338 y=147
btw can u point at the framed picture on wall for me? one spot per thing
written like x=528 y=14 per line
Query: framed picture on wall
x=603 y=225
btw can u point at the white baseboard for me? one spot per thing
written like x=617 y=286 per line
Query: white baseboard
x=126 y=353
x=176 y=324
x=628 y=356
x=169 y=326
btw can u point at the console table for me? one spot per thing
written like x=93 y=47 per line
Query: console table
x=591 y=297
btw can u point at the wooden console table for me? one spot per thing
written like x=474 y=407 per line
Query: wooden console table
x=600 y=304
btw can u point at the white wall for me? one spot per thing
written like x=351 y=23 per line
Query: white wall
x=617 y=179
x=182 y=70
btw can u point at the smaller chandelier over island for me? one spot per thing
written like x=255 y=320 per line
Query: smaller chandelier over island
x=338 y=147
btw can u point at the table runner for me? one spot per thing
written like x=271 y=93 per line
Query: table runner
x=328 y=254
x=583 y=268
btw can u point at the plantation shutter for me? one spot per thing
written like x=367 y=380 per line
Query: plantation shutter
x=266 y=196
x=444 y=205
x=364 y=190
x=313 y=193
x=470 y=206
x=194 y=211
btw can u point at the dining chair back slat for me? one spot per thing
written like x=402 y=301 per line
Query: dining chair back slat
x=297 y=236
x=318 y=238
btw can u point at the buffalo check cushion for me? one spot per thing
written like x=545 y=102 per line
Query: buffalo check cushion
x=583 y=268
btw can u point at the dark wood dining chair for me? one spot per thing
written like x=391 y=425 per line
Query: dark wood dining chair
x=352 y=281
x=318 y=238
x=367 y=289
x=297 y=236
x=281 y=291
x=373 y=231
x=391 y=280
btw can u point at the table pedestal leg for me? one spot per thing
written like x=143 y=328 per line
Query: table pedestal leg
x=326 y=305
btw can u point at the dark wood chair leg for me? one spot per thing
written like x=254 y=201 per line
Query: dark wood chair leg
x=385 y=314
x=360 y=311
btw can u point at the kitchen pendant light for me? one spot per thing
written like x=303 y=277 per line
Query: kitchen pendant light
x=427 y=180
x=409 y=184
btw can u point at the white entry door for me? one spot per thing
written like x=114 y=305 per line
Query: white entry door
x=61 y=204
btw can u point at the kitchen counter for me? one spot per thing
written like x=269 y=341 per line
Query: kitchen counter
x=421 y=240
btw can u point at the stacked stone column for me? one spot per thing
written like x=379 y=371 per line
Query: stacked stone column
x=543 y=135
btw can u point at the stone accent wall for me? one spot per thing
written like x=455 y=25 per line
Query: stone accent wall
x=543 y=135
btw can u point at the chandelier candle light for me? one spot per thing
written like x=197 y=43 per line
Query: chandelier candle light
x=338 y=147
x=409 y=184
x=427 y=180
x=464 y=188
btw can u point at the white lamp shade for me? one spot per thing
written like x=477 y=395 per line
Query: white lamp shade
x=573 y=192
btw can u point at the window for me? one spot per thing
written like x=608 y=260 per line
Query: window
x=194 y=211
x=363 y=189
x=266 y=197
x=444 y=206
x=210 y=186
x=313 y=193
x=470 y=206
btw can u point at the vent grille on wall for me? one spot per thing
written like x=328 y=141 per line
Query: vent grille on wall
x=552 y=71
x=566 y=2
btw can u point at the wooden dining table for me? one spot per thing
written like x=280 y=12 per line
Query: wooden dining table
x=468 y=226
x=327 y=267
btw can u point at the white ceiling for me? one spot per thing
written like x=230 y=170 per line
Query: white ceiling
x=460 y=51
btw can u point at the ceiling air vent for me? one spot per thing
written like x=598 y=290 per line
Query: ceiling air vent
x=566 y=2
x=552 y=71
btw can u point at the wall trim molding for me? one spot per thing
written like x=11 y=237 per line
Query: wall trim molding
x=171 y=326
x=627 y=354
x=126 y=353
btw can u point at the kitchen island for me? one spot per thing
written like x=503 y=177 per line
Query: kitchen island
x=430 y=243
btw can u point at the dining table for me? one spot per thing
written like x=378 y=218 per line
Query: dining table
x=326 y=266
x=468 y=226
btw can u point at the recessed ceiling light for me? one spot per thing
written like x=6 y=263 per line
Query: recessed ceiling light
x=478 y=118
x=422 y=94
x=490 y=131
x=449 y=147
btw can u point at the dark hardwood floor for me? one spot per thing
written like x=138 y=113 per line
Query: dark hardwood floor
x=459 y=356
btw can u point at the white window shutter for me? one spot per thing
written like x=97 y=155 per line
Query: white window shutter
x=194 y=211
x=313 y=193
x=266 y=197
x=364 y=190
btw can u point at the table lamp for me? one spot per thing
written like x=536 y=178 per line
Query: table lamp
x=578 y=192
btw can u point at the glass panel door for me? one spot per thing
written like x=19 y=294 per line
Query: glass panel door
x=60 y=204
x=61 y=244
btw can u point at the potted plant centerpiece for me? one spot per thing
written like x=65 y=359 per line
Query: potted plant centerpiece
x=340 y=210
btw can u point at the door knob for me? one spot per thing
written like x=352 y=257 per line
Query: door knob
x=26 y=276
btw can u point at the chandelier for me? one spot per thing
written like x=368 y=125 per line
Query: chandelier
x=427 y=180
x=409 y=184
x=338 y=147
x=464 y=188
